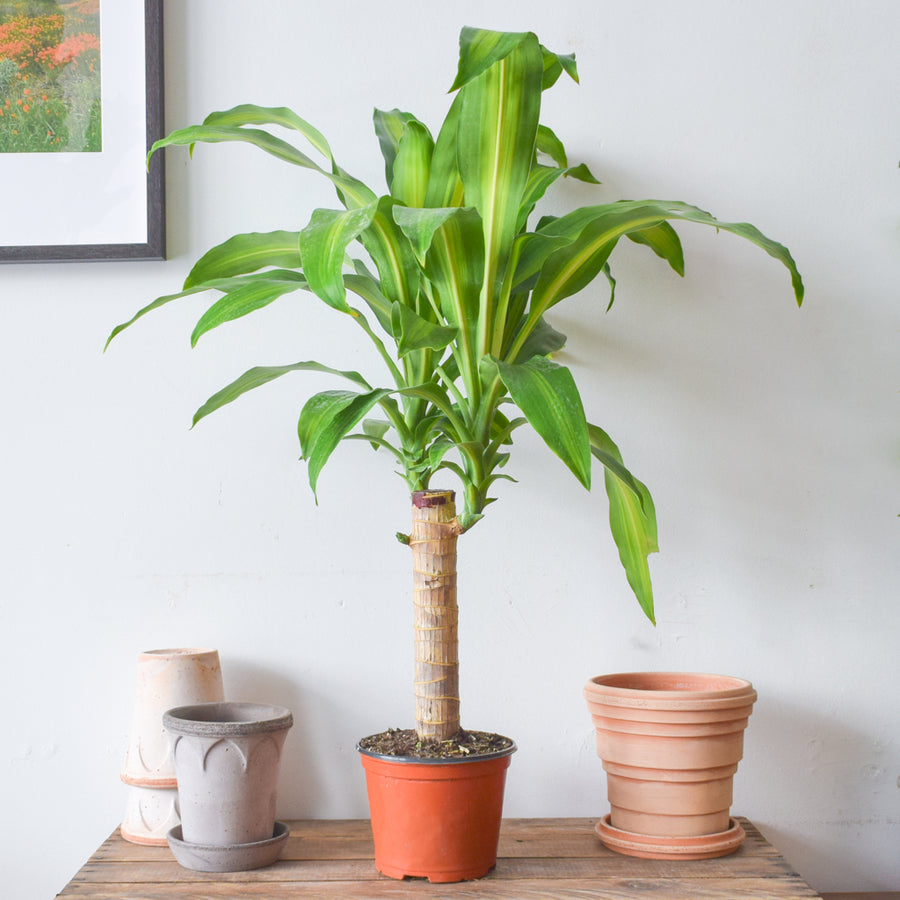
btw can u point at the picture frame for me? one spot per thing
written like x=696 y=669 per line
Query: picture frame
x=109 y=204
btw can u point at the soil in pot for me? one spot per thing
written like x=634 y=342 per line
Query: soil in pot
x=405 y=742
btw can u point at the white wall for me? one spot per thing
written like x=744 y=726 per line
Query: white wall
x=768 y=435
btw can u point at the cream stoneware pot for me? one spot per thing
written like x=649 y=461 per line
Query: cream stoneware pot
x=150 y=813
x=165 y=678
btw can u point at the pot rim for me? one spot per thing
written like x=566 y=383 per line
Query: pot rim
x=432 y=761
x=227 y=717
x=650 y=689
x=177 y=652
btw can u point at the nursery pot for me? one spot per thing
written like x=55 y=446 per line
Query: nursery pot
x=226 y=760
x=670 y=744
x=436 y=818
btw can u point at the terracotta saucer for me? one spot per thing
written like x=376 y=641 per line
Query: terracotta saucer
x=649 y=846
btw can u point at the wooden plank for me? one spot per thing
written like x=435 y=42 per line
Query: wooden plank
x=510 y=869
x=486 y=889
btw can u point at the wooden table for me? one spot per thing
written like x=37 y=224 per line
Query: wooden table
x=553 y=859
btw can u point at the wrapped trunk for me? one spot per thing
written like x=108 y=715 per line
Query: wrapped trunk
x=433 y=538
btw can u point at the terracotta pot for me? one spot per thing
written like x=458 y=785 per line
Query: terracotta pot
x=227 y=757
x=670 y=744
x=436 y=819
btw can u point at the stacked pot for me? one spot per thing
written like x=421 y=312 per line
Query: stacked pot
x=165 y=678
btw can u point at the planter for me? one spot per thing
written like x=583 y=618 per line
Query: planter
x=436 y=819
x=227 y=757
x=150 y=813
x=670 y=744
x=165 y=678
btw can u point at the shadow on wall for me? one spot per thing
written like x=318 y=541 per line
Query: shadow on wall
x=302 y=792
x=810 y=761
x=249 y=682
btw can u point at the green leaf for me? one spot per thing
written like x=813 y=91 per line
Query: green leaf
x=497 y=132
x=454 y=265
x=243 y=301
x=480 y=49
x=155 y=304
x=323 y=244
x=391 y=253
x=450 y=242
x=548 y=397
x=444 y=184
x=281 y=149
x=532 y=250
x=412 y=166
x=598 y=227
x=581 y=173
x=325 y=419
x=210 y=134
x=420 y=225
x=572 y=267
x=247 y=253
x=219 y=284
x=352 y=192
x=388 y=129
x=250 y=114
x=375 y=430
x=632 y=518
x=260 y=375
x=555 y=65
x=368 y=288
x=539 y=180
x=663 y=240
x=549 y=143
x=543 y=340
x=412 y=332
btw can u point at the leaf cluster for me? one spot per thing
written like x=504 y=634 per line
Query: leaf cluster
x=451 y=279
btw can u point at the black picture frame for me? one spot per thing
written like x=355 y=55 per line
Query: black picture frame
x=154 y=247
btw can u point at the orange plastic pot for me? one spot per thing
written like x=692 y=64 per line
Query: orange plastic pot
x=670 y=744
x=436 y=819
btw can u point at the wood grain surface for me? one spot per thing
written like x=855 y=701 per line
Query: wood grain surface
x=554 y=859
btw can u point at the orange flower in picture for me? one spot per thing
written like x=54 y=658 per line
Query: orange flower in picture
x=51 y=52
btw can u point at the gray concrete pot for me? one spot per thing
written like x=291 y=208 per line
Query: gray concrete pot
x=226 y=760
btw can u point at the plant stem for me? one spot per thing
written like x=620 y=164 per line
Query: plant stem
x=433 y=538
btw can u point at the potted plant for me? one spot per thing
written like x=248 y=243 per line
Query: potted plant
x=451 y=277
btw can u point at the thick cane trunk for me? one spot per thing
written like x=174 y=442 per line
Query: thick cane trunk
x=435 y=530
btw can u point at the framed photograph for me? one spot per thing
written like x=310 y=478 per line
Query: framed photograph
x=81 y=101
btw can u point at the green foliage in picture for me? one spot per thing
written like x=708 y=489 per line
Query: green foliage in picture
x=50 y=77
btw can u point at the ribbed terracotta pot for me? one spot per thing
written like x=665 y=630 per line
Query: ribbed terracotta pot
x=670 y=744
x=436 y=819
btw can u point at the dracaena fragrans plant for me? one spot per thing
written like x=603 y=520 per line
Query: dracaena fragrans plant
x=450 y=273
